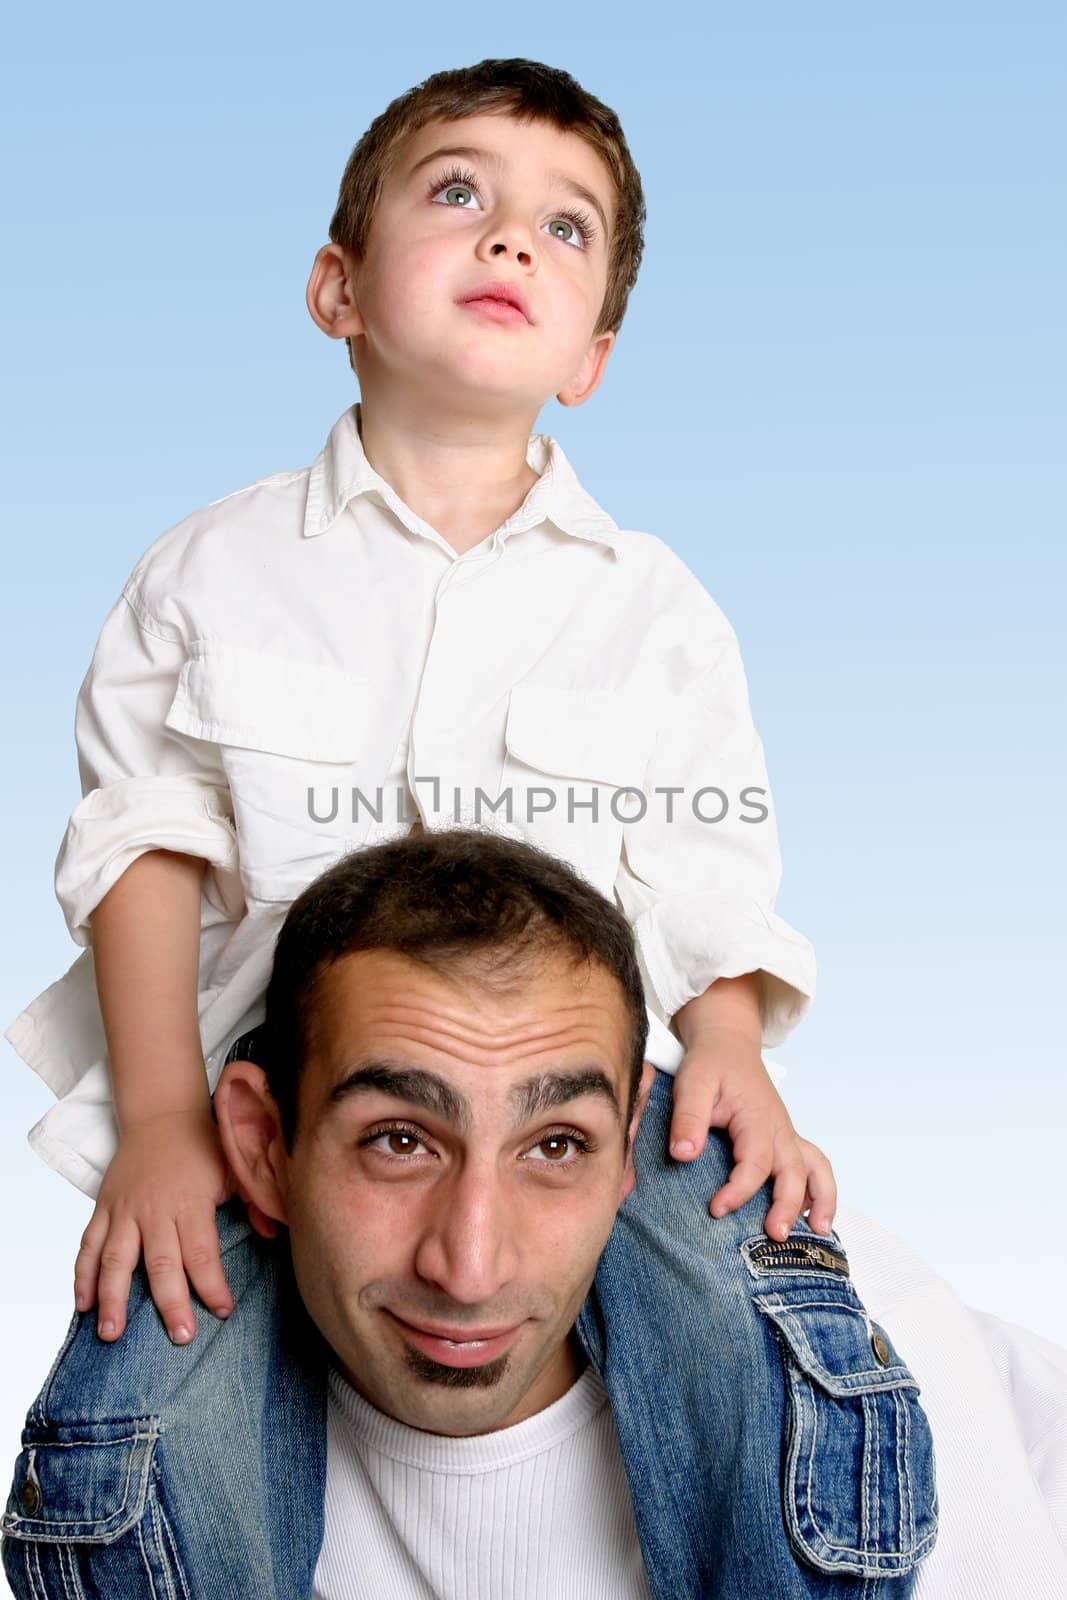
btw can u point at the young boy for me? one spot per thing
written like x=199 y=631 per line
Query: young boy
x=437 y=610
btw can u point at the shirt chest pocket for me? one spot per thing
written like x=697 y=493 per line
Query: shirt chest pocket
x=574 y=770
x=290 y=736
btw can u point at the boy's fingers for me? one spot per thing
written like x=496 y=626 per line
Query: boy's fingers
x=118 y=1259
x=822 y=1188
x=790 y=1187
x=745 y=1178
x=199 y=1240
x=167 y=1281
x=87 y=1261
x=694 y=1102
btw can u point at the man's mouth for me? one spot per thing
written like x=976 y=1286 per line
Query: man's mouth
x=457 y=1347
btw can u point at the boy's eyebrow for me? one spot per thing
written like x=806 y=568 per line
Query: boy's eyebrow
x=492 y=159
x=435 y=1094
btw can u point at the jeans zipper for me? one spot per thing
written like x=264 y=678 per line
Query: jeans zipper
x=799 y=1253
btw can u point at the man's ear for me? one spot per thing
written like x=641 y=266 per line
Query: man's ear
x=629 y=1176
x=329 y=294
x=250 y=1128
x=589 y=374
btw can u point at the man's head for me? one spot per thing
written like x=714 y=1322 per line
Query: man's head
x=454 y=1037
x=551 y=203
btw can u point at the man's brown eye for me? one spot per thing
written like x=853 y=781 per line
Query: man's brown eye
x=555 y=1145
x=406 y=1140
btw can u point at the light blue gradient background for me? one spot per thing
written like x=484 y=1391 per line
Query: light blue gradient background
x=838 y=393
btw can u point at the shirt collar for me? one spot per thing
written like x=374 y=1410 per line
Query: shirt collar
x=341 y=471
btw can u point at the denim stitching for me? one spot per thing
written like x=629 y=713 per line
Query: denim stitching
x=164 y=1565
x=866 y=1555
x=865 y=1481
x=904 y=1532
x=33 y=1552
x=846 y=1549
x=811 y=1453
x=798 y=1392
x=875 y=1529
x=904 y=1441
x=144 y=1558
x=898 y=1375
x=73 y=1590
x=885 y=1562
x=62 y=1553
x=177 y=1570
x=98 y=1537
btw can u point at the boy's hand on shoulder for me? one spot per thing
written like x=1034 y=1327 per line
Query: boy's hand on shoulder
x=158 y=1195
x=723 y=1083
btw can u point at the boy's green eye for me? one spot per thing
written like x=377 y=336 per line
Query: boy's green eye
x=582 y=232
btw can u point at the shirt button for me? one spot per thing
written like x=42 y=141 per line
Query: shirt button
x=881 y=1350
x=30 y=1498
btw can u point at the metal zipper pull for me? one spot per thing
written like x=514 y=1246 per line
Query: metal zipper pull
x=800 y=1254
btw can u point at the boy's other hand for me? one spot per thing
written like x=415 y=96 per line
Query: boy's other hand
x=723 y=1083
x=158 y=1195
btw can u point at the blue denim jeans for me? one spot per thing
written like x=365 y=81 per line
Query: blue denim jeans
x=772 y=1435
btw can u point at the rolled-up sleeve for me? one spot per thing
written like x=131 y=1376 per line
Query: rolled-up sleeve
x=144 y=786
x=701 y=867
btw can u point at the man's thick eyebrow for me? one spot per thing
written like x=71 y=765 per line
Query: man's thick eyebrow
x=550 y=1090
x=413 y=1084
x=546 y=1092
x=491 y=159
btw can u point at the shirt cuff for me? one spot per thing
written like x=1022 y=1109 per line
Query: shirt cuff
x=113 y=826
x=689 y=940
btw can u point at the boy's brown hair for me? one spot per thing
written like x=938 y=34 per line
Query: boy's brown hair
x=526 y=90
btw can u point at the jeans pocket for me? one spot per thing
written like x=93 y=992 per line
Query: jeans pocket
x=86 y=1516
x=859 y=1486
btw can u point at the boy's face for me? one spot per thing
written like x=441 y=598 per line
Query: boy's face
x=435 y=237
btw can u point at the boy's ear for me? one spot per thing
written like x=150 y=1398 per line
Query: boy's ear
x=329 y=294
x=590 y=372
x=250 y=1129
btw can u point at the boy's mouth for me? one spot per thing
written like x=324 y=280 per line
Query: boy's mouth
x=502 y=301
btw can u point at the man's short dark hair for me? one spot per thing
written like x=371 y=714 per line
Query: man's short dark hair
x=478 y=903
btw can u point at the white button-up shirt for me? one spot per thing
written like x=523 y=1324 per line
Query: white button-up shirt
x=305 y=666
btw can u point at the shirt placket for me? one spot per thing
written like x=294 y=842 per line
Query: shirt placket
x=451 y=662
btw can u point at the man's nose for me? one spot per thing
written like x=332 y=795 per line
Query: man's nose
x=469 y=1247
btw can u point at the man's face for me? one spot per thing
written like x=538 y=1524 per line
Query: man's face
x=459 y=1160
x=445 y=224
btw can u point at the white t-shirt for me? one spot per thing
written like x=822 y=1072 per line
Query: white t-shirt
x=538 y=1509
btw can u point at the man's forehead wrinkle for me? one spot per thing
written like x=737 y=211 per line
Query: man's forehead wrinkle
x=461 y=1018
x=486 y=1047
